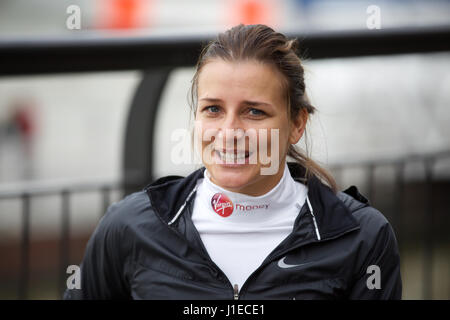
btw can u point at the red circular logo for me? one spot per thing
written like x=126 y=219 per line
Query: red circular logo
x=222 y=205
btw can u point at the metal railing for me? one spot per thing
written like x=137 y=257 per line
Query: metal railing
x=65 y=192
x=398 y=214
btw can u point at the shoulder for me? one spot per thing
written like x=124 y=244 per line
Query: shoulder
x=375 y=242
x=369 y=218
x=128 y=212
x=376 y=235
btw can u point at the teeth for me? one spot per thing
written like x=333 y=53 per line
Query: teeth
x=231 y=157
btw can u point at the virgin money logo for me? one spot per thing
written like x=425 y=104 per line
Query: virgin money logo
x=222 y=205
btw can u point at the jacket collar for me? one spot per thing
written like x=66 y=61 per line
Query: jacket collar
x=333 y=217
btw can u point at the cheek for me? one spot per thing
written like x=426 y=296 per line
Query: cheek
x=277 y=137
x=205 y=133
x=279 y=143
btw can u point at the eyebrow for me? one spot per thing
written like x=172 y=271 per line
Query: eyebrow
x=247 y=102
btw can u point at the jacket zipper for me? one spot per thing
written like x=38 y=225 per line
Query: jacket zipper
x=236 y=292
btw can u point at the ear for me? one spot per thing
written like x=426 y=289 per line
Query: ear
x=298 y=126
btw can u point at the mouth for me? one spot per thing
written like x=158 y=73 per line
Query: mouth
x=232 y=156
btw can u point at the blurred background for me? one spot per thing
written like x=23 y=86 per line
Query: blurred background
x=75 y=137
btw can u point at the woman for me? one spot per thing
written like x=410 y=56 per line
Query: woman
x=247 y=225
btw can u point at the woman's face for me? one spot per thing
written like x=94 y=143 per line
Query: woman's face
x=237 y=103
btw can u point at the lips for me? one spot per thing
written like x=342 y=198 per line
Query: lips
x=232 y=155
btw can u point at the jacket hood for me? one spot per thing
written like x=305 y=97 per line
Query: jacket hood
x=333 y=212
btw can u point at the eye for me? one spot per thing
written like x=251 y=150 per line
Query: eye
x=212 y=109
x=256 y=112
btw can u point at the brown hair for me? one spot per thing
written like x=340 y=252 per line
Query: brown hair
x=262 y=43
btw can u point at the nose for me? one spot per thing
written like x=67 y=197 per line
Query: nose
x=231 y=130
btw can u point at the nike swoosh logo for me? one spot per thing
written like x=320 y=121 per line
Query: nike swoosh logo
x=284 y=265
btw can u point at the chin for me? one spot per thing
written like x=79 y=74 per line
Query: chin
x=233 y=179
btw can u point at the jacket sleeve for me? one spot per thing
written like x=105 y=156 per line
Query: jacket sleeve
x=103 y=269
x=379 y=278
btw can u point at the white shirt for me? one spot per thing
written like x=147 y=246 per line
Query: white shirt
x=240 y=234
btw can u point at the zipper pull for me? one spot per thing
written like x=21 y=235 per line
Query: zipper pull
x=236 y=292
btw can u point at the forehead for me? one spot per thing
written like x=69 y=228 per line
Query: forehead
x=248 y=78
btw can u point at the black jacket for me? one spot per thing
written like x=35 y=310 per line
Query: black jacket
x=135 y=253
